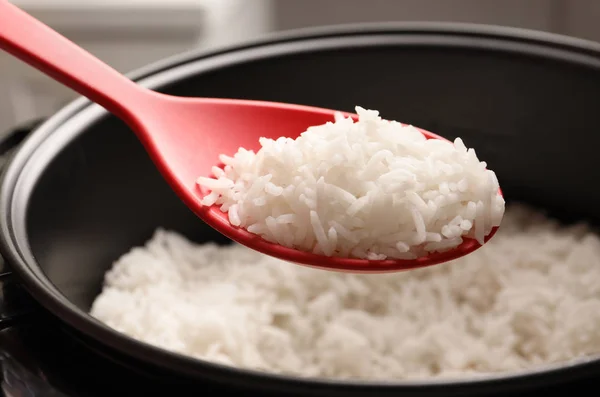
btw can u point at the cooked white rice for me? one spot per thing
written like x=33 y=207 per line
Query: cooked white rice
x=529 y=296
x=368 y=189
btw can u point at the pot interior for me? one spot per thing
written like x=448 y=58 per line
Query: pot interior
x=532 y=118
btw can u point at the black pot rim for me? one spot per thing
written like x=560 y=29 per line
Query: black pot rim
x=22 y=170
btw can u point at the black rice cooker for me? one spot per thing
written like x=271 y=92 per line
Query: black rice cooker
x=80 y=191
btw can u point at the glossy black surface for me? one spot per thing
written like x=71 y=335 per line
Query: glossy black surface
x=530 y=109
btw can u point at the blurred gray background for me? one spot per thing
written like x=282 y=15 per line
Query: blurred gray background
x=131 y=33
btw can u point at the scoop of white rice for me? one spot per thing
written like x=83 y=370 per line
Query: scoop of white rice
x=529 y=296
x=371 y=189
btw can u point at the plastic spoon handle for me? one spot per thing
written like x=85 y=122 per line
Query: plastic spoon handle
x=43 y=48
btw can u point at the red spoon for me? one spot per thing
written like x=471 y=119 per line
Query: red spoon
x=184 y=136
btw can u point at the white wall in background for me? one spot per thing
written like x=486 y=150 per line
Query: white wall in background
x=232 y=21
x=127 y=34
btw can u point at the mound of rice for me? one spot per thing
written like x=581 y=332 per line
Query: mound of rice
x=529 y=296
x=371 y=189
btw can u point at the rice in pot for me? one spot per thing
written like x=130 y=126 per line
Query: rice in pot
x=529 y=296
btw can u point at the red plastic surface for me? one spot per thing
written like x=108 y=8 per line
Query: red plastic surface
x=184 y=136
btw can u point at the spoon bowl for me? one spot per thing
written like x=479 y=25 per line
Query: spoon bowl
x=185 y=136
